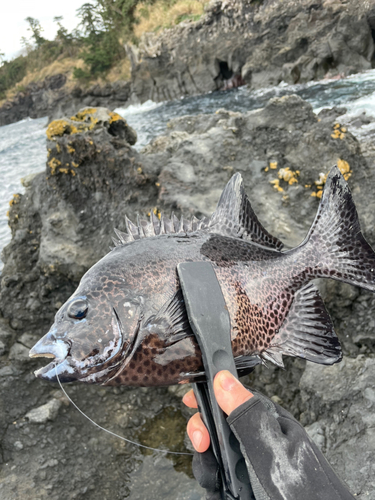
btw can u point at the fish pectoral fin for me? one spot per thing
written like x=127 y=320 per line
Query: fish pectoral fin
x=235 y=217
x=172 y=320
x=307 y=332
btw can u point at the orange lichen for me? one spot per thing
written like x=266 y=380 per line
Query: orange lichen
x=16 y=199
x=83 y=121
x=273 y=165
x=156 y=211
x=53 y=164
x=288 y=175
x=70 y=149
x=322 y=180
x=114 y=117
x=83 y=113
x=58 y=128
x=317 y=194
x=344 y=168
x=276 y=185
x=338 y=132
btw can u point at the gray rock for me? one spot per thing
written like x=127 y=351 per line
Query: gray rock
x=19 y=352
x=343 y=399
x=44 y=413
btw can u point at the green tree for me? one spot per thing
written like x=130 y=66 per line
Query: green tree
x=36 y=30
x=63 y=36
x=101 y=39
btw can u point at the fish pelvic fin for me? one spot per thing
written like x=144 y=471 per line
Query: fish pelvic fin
x=336 y=237
x=235 y=217
x=307 y=332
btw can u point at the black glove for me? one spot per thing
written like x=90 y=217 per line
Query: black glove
x=206 y=472
x=282 y=461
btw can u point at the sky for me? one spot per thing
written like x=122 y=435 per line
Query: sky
x=13 y=25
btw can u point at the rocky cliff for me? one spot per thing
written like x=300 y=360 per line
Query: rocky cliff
x=257 y=43
x=236 y=42
x=64 y=223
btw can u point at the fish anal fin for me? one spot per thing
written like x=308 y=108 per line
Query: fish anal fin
x=273 y=355
x=307 y=331
x=235 y=217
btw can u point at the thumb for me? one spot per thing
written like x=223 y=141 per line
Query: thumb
x=229 y=391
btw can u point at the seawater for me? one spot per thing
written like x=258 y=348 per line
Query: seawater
x=23 y=144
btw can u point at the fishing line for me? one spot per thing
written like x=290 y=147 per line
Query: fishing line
x=113 y=433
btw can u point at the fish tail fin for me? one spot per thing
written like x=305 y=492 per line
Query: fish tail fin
x=335 y=241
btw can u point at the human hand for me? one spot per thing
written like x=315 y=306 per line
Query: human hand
x=230 y=394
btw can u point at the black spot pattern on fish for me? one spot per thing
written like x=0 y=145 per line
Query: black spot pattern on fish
x=135 y=331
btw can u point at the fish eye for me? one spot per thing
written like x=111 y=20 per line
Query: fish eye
x=78 y=309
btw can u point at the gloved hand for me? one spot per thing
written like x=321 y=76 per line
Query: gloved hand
x=229 y=394
x=281 y=460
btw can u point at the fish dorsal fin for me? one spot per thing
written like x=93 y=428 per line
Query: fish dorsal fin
x=307 y=332
x=156 y=226
x=235 y=217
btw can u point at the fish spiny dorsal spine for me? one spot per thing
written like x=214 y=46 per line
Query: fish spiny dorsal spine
x=155 y=223
x=156 y=227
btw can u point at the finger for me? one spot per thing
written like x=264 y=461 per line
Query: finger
x=189 y=399
x=229 y=391
x=198 y=433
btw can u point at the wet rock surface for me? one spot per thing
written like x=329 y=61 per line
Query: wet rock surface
x=63 y=224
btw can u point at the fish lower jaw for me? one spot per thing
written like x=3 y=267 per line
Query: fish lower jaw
x=45 y=369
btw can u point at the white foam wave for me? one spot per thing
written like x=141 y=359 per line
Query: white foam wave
x=135 y=109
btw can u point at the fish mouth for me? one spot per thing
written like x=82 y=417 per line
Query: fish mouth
x=49 y=347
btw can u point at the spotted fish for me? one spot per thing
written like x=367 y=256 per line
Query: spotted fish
x=126 y=324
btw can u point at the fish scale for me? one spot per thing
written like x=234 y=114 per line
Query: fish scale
x=126 y=324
